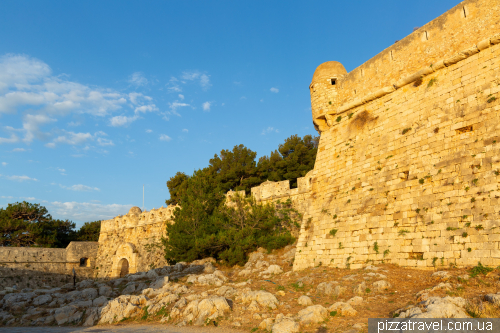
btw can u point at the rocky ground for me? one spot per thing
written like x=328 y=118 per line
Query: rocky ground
x=263 y=295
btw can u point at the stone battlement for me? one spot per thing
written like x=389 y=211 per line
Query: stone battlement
x=454 y=36
x=276 y=190
x=136 y=218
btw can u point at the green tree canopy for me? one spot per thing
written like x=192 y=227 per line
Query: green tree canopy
x=26 y=224
x=89 y=232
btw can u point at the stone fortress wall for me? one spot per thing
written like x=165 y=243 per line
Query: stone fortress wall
x=132 y=243
x=77 y=255
x=408 y=165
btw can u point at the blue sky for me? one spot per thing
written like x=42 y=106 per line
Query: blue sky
x=98 y=98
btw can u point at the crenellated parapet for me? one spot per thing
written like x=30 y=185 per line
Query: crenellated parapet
x=277 y=190
x=136 y=218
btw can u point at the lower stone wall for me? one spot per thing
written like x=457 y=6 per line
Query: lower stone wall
x=77 y=255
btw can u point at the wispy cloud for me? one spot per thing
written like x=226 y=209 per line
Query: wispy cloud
x=164 y=137
x=206 y=106
x=137 y=79
x=86 y=211
x=18 y=150
x=118 y=121
x=274 y=90
x=269 y=130
x=185 y=130
x=21 y=178
x=80 y=188
x=149 y=131
x=203 y=79
x=75 y=139
x=4 y=163
x=181 y=97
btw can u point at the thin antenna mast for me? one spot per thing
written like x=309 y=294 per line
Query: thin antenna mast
x=142 y=197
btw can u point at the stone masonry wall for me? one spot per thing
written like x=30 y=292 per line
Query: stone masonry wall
x=49 y=260
x=411 y=176
x=136 y=238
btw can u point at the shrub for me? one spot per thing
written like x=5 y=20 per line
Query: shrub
x=406 y=130
x=333 y=232
x=479 y=269
x=339 y=118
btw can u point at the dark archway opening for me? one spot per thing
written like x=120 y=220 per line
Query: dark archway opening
x=123 y=267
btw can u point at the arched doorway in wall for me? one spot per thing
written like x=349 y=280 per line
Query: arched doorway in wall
x=124 y=260
x=123 y=267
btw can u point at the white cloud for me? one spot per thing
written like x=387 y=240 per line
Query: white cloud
x=7 y=197
x=28 y=85
x=18 y=150
x=206 y=106
x=181 y=96
x=104 y=142
x=74 y=139
x=74 y=123
x=118 y=121
x=173 y=109
x=21 y=178
x=138 y=79
x=4 y=163
x=203 y=79
x=80 y=188
x=164 y=137
x=13 y=139
x=149 y=131
x=269 y=130
x=86 y=211
x=185 y=130
x=28 y=198
x=274 y=90
x=146 y=108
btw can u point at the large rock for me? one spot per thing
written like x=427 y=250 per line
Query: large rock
x=312 y=315
x=343 y=309
x=10 y=299
x=124 y=306
x=201 y=312
x=100 y=301
x=304 y=300
x=273 y=269
x=128 y=289
x=286 y=326
x=93 y=316
x=493 y=298
x=381 y=285
x=89 y=293
x=356 y=300
x=42 y=299
x=446 y=307
x=152 y=274
x=67 y=314
x=330 y=288
x=160 y=282
x=105 y=291
x=266 y=324
x=217 y=278
x=262 y=297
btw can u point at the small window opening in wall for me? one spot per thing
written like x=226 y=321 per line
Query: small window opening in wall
x=392 y=56
x=464 y=129
x=355 y=91
x=362 y=73
x=83 y=262
x=464 y=9
x=333 y=81
x=425 y=36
